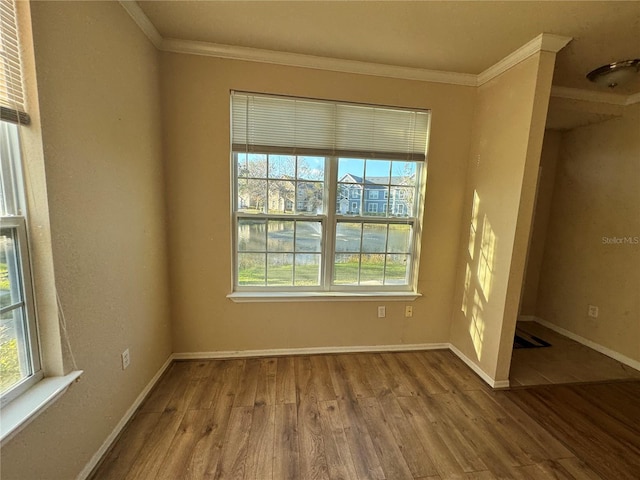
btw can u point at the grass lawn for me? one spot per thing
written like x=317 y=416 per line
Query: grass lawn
x=307 y=275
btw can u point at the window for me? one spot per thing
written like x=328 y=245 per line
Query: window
x=323 y=154
x=19 y=351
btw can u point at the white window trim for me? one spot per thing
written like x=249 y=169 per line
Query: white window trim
x=326 y=289
x=275 y=297
x=20 y=412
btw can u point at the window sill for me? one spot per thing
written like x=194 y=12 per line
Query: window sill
x=253 y=297
x=17 y=414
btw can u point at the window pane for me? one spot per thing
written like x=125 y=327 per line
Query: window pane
x=308 y=237
x=252 y=196
x=401 y=200
x=10 y=274
x=374 y=238
x=371 y=269
x=307 y=269
x=350 y=170
x=252 y=165
x=282 y=166
x=348 y=237
x=11 y=178
x=348 y=199
x=252 y=235
x=279 y=269
x=346 y=269
x=251 y=269
x=404 y=173
x=15 y=364
x=377 y=171
x=281 y=196
x=280 y=236
x=397 y=269
x=309 y=197
x=399 y=239
x=311 y=168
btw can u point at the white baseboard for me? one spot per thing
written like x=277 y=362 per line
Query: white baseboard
x=281 y=352
x=473 y=366
x=595 y=346
x=86 y=471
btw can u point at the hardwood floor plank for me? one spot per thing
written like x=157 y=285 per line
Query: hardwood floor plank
x=390 y=456
x=553 y=448
x=204 y=373
x=313 y=462
x=356 y=379
x=413 y=452
x=266 y=388
x=322 y=378
x=236 y=439
x=248 y=385
x=585 y=433
x=393 y=382
x=363 y=452
x=207 y=450
x=286 y=462
x=119 y=459
x=439 y=454
x=152 y=454
x=285 y=381
x=339 y=460
x=523 y=449
x=259 y=463
x=164 y=390
x=578 y=469
x=194 y=427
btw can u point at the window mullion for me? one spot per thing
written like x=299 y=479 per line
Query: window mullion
x=329 y=244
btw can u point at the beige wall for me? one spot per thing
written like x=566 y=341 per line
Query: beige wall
x=195 y=97
x=99 y=104
x=546 y=181
x=596 y=195
x=503 y=166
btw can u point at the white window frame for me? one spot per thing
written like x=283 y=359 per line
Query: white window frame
x=328 y=221
x=15 y=221
x=262 y=138
x=17 y=224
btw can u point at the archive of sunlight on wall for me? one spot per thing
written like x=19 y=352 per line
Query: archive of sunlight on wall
x=478 y=273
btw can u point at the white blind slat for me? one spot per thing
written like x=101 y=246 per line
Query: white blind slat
x=271 y=123
x=11 y=88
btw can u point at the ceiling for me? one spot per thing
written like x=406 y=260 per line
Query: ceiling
x=453 y=36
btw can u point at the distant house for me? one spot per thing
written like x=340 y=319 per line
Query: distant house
x=375 y=195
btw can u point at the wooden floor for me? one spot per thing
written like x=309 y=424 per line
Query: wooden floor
x=565 y=361
x=394 y=416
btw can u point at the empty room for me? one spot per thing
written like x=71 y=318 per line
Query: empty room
x=319 y=240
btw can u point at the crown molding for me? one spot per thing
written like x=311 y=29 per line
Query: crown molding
x=134 y=10
x=546 y=42
x=316 y=62
x=593 y=96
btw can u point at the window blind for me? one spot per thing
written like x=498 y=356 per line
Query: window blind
x=12 y=101
x=276 y=124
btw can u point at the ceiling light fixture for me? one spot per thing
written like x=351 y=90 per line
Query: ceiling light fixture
x=615 y=73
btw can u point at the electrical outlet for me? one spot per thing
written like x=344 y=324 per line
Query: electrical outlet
x=408 y=311
x=593 y=311
x=382 y=312
x=126 y=359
